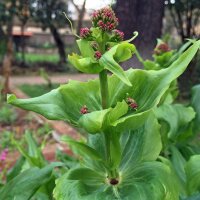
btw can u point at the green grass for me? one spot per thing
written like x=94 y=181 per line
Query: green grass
x=37 y=90
x=33 y=57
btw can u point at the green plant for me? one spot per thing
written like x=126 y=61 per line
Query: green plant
x=7 y=114
x=122 y=155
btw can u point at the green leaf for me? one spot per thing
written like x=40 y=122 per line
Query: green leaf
x=87 y=175
x=16 y=169
x=178 y=163
x=195 y=104
x=137 y=145
x=193 y=197
x=177 y=116
x=85 y=48
x=193 y=173
x=33 y=155
x=25 y=185
x=63 y=103
x=86 y=65
x=82 y=148
x=98 y=121
x=149 y=86
x=118 y=53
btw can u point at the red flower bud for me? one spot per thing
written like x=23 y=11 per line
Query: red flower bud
x=85 y=33
x=97 y=55
x=84 y=110
x=161 y=48
x=132 y=103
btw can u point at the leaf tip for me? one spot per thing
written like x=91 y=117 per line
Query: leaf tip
x=11 y=98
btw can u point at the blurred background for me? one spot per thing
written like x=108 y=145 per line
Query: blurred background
x=36 y=37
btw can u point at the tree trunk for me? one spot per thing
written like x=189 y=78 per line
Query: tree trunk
x=142 y=16
x=2 y=34
x=7 y=61
x=23 y=42
x=80 y=17
x=59 y=43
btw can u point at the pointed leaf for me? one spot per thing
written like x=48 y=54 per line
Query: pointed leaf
x=120 y=52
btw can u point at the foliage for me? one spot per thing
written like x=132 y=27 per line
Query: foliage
x=133 y=148
x=7 y=114
x=31 y=173
x=33 y=58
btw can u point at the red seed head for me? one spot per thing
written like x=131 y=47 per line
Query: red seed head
x=161 y=48
x=84 y=110
x=132 y=103
x=105 y=19
x=114 y=181
x=97 y=55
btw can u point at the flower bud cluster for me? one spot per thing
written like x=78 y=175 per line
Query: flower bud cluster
x=3 y=155
x=85 y=33
x=161 y=48
x=118 y=35
x=105 y=19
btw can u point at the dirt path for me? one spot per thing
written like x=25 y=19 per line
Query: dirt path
x=18 y=80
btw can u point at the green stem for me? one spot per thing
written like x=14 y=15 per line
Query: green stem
x=104 y=88
x=105 y=104
x=139 y=57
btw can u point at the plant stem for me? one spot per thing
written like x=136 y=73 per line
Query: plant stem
x=105 y=104
x=104 y=88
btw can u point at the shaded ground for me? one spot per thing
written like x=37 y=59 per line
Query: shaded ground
x=18 y=80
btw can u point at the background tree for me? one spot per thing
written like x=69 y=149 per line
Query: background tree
x=49 y=14
x=142 y=16
x=23 y=14
x=81 y=13
x=186 y=17
x=8 y=8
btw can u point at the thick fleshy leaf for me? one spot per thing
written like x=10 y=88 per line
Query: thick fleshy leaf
x=177 y=117
x=63 y=103
x=120 y=52
x=23 y=186
x=196 y=105
x=85 y=64
x=193 y=173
